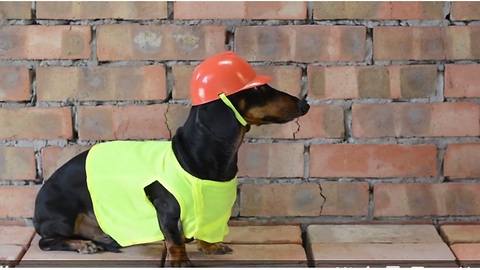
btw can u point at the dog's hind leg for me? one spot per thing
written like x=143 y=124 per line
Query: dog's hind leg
x=66 y=237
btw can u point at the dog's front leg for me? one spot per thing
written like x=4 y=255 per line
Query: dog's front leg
x=168 y=214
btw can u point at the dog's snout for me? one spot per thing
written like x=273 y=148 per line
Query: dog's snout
x=303 y=107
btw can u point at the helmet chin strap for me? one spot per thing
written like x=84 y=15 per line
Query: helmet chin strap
x=227 y=102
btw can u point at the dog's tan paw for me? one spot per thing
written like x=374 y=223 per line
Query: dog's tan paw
x=213 y=248
x=86 y=247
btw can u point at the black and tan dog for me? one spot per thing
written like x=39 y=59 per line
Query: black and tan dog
x=83 y=206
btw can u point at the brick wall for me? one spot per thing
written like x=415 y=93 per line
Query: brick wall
x=393 y=132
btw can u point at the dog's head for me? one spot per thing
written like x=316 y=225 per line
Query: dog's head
x=229 y=78
x=266 y=105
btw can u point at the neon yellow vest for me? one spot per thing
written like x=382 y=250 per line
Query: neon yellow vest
x=117 y=173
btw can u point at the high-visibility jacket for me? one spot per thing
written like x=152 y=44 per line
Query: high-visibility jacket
x=118 y=172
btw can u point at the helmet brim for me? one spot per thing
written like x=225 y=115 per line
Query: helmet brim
x=257 y=81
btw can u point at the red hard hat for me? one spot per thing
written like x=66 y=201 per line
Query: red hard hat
x=223 y=73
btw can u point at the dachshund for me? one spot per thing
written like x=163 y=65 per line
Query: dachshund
x=74 y=213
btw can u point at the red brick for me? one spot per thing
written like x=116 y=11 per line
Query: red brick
x=53 y=157
x=280 y=200
x=101 y=10
x=17 y=201
x=35 y=123
x=271 y=160
x=14 y=84
x=17 y=163
x=240 y=10
x=465 y=11
x=45 y=42
x=468 y=255
x=372 y=160
x=128 y=122
x=16 y=235
x=415 y=120
x=281 y=234
x=15 y=10
x=412 y=10
x=159 y=42
x=101 y=83
x=426 y=199
x=349 y=82
x=465 y=233
x=426 y=43
x=462 y=80
x=301 y=43
x=345 y=198
x=462 y=161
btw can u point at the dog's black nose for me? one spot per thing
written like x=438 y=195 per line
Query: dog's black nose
x=303 y=107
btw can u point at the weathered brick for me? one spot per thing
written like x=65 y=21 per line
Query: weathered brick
x=53 y=157
x=17 y=163
x=159 y=42
x=382 y=255
x=345 y=198
x=373 y=160
x=11 y=255
x=240 y=10
x=14 y=84
x=347 y=82
x=101 y=83
x=182 y=75
x=462 y=161
x=426 y=199
x=45 y=42
x=412 y=10
x=283 y=131
x=373 y=233
x=15 y=10
x=148 y=255
x=17 y=201
x=128 y=122
x=280 y=200
x=415 y=119
x=460 y=233
x=465 y=11
x=257 y=255
x=426 y=43
x=35 y=123
x=271 y=160
x=462 y=80
x=301 y=43
x=101 y=10
x=281 y=234
x=176 y=116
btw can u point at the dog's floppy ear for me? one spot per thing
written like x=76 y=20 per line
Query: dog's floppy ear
x=218 y=119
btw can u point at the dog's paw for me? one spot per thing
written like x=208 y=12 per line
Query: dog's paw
x=213 y=248
x=87 y=247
